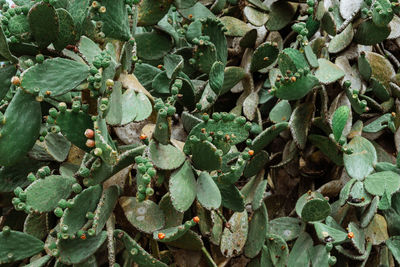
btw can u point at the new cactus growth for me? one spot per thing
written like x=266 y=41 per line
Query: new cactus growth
x=199 y=133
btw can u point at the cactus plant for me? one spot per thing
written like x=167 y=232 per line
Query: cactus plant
x=199 y=133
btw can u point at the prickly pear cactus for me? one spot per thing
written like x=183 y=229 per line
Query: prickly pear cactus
x=199 y=133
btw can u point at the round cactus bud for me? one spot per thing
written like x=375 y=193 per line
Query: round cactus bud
x=149 y=191
x=89 y=133
x=350 y=235
x=161 y=236
x=58 y=212
x=91 y=232
x=15 y=201
x=98 y=151
x=39 y=58
x=15 y=80
x=196 y=219
x=31 y=177
x=141 y=197
x=64 y=228
x=332 y=260
x=77 y=188
x=6 y=230
x=109 y=82
x=22 y=196
x=90 y=215
x=62 y=203
x=90 y=143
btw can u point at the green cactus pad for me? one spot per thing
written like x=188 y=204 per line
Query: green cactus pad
x=6 y=73
x=327 y=147
x=358 y=240
x=197 y=11
x=145 y=216
x=104 y=142
x=299 y=254
x=299 y=123
x=345 y=192
x=256 y=164
x=319 y=256
x=287 y=227
x=217 y=77
x=280 y=15
x=278 y=250
x=73 y=126
x=264 y=56
x=58 y=76
x=79 y=11
x=377 y=183
x=257 y=231
x=231 y=197
x=36 y=225
x=57 y=146
x=152 y=45
x=235 y=129
x=369 y=213
x=207 y=192
x=73 y=251
x=311 y=57
x=190 y=241
x=44 y=23
x=88 y=48
x=182 y=187
x=360 y=163
x=339 y=121
x=259 y=195
x=280 y=112
x=234 y=239
x=328 y=72
x=340 y=41
x=172 y=216
x=75 y=216
x=173 y=64
x=17 y=246
x=205 y=156
x=44 y=194
x=39 y=262
x=13 y=176
x=359 y=196
x=368 y=33
x=16 y=141
x=66 y=34
x=393 y=243
x=298 y=89
x=292 y=60
x=115 y=20
x=235 y=27
x=173 y=233
x=152 y=11
x=324 y=232
x=266 y=136
x=136 y=252
x=205 y=56
x=312 y=207
x=105 y=207
x=166 y=157
x=5 y=50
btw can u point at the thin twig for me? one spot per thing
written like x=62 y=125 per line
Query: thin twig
x=110 y=241
x=347 y=22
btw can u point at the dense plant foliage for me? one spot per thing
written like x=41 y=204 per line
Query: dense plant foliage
x=199 y=133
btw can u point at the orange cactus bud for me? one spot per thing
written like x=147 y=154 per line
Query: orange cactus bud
x=350 y=235
x=83 y=236
x=15 y=80
x=143 y=137
x=90 y=143
x=161 y=236
x=251 y=152
x=196 y=219
x=89 y=133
